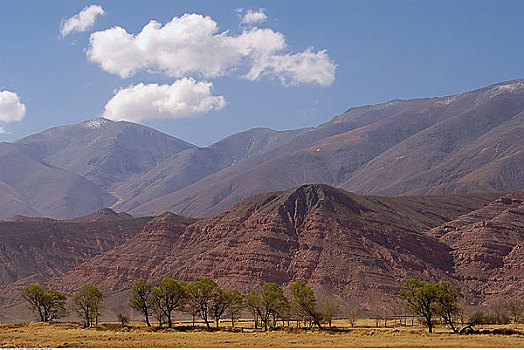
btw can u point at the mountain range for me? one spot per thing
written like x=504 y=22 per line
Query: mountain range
x=359 y=247
x=470 y=142
x=429 y=188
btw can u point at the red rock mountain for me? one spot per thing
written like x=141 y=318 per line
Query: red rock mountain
x=487 y=247
x=33 y=250
x=361 y=247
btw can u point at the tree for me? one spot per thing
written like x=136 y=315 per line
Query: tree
x=267 y=303
x=499 y=310
x=446 y=303
x=219 y=304
x=201 y=294
x=167 y=297
x=140 y=299
x=329 y=307
x=235 y=306
x=123 y=319
x=304 y=302
x=420 y=297
x=516 y=308
x=47 y=303
x=87 y=302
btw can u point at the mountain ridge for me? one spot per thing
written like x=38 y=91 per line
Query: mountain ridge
x=400 y=147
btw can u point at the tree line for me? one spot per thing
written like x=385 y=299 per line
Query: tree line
x=268 y=305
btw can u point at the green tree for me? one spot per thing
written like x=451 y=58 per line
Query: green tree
x=235 y=306
x=170 y=295
x=202 y=295
x=87 y=302
x=304 y=302
x=219 y=304
x=267 y=303
x=446 y=303
x=140 y=298
x=47 y=303
x=420 y=297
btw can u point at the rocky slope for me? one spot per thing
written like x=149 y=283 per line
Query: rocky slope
x=487 y=247
x=37 y=249
x=359 y=247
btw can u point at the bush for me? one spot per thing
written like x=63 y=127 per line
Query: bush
x=123 y=319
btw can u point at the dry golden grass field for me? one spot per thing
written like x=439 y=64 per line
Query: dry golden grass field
x=137 y=335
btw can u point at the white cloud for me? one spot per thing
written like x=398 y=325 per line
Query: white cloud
x=184 y=98
x=293 y=69
x=193 y=45
x=254 y=17
x=82 y=21
x=11 y=109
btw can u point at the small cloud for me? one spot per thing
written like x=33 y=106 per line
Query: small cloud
x=11 y=109
x=184 y=98
x=307 y=67
x=82 y=21
x=254 y=17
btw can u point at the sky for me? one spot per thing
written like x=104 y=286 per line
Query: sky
x=203 y=70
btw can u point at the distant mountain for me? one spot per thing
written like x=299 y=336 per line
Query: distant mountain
x=103 y=151
x=30 y=186
x=457 y=144
x=464 y=143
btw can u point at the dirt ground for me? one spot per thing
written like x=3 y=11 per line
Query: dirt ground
x=138 y=335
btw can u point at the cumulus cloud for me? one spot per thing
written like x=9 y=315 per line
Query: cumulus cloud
x=82 y=21
x=11 y=109
x=254 y=17
x=293 y=69
x=184 y=98
x=193 y=45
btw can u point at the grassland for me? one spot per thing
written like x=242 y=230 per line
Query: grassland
x=137 y=335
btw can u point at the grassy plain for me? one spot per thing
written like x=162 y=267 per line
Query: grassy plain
x=137 y=335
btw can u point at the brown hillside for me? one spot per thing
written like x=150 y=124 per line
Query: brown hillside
x=487 y=247
x=359 y=247
x=36 y=249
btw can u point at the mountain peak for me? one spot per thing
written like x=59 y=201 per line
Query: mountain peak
x=96 y=123
x=104 y=214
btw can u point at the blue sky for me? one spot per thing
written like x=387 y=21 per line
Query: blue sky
x=382 y=50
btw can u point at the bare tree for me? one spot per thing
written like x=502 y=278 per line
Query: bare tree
x=329 y=307
x=499 y=310
x=515 y=308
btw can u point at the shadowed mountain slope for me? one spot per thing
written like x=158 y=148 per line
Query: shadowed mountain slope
x=37 y=188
